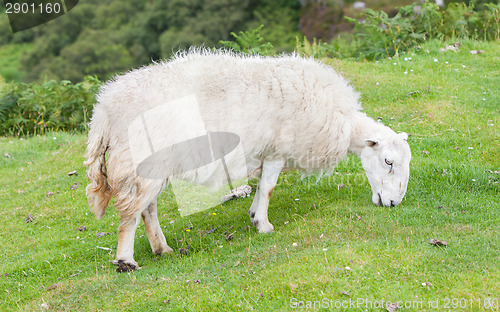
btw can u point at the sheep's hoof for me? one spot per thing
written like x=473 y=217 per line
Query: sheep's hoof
x=263 y=226
x=163 y=250
x=123 y=266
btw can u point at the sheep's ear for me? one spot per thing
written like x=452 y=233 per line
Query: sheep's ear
x=403 y=135
x=371 y=142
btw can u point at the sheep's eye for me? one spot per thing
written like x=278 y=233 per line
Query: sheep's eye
x=389 y=163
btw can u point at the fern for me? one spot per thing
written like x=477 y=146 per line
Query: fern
x=250 y=42
x=315 y=49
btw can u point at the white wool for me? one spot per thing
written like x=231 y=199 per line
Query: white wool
x=286 y=112
x=286 y=106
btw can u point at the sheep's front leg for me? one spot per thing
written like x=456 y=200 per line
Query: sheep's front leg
x=155 y=235
x=258 y=211
x=125 y=251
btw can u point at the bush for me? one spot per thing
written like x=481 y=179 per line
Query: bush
x=30 y=109
x=380 y=35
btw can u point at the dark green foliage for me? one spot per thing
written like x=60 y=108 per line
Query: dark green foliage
x=29 y=109
x=106 y=37
x=280 y=18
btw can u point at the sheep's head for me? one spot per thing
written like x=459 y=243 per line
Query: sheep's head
x=386 y=160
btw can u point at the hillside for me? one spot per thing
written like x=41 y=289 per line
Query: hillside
x=330 y=243
x=104 y=37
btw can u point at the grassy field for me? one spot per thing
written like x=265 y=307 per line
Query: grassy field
x=331 y=244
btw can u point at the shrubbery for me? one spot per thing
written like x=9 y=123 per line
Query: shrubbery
x=378 y=35
x=30 y=109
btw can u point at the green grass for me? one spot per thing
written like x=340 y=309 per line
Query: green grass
x=327 y=240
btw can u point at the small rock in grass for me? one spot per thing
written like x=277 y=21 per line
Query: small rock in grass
x=29 y=218
x=392 y=307
x=53 y=286
x=346 y=293
x=197 y=281
x=241 y=191
x=453 y=48
x=227 y=235
x=185 y=251
x=74 y=172
x=437 y=242
x=49 y=194
x=211 y=230
x=101 y=234
x=82 y=228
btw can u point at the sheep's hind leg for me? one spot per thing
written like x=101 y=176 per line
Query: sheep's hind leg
x=139 y=200
x=125 y=250
x=155 y=235
x=258 y=211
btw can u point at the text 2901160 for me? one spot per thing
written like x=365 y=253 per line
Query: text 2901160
x=32 y=8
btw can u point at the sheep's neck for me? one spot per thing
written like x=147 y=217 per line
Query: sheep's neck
x=363 y=128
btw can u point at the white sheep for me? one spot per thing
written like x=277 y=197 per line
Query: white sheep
x=287 y=111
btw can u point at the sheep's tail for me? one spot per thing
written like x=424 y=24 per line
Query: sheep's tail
x=98 y=191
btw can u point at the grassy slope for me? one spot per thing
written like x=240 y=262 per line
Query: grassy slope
x=451 y=111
